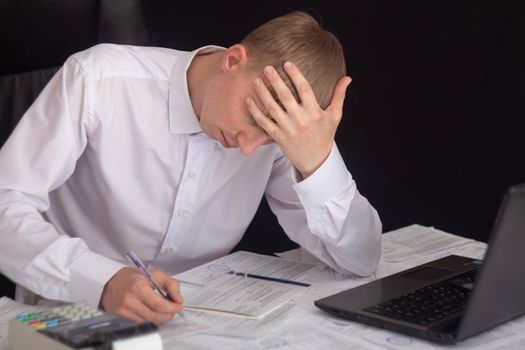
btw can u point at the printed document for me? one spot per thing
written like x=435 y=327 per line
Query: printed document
x=415 y=240
x=212 y=287
x=242 y=296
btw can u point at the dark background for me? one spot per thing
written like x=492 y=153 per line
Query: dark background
x=433 y=129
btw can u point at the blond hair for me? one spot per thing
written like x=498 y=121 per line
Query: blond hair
x=299 y=38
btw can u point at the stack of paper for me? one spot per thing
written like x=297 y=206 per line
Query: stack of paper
x=262 y=286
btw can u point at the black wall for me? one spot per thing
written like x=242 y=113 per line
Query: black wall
x=433 y=128
x=434 y=124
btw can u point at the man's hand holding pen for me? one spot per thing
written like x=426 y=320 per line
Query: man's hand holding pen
x=130 y=294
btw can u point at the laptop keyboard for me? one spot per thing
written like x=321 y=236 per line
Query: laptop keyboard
x=428 y=304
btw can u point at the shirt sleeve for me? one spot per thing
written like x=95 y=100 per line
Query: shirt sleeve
x=326 y=214
x=38 y=157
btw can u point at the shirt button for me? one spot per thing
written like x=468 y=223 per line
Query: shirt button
x=191 y=175
x=183 y=213
x=168 y=250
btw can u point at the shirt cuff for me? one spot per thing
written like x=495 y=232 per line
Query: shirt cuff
x=325 y=183
x=89 y=274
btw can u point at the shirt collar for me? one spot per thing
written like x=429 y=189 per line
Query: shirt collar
x=182 y=117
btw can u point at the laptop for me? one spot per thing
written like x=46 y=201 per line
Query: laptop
x=452 y=298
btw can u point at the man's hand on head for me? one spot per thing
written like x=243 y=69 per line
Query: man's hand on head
x=129 y=294
x=303 y=130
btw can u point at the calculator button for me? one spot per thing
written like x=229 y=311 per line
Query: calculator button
x=21 y=316
x=52 y=323
x=40 y=325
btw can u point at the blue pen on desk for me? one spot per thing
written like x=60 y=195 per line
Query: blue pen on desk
x=268 y=278
x=140 y=265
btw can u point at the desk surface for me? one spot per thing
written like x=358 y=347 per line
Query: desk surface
x=299 y=324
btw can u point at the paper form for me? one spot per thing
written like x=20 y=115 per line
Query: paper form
x=180 y=331
x=415 y=241
x=305 y=336
x=470 y=249
x=248 y=263
x=293 y=337
x=242 y=296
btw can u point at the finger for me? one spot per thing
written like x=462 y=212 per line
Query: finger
x=271 y=106
x=281 y=89
x=304 y=90
x=170 y=285
x=173 y=290
x=133 y=304
x=338 y=97
x=265 y=123
x=154 y=300
x=157 y=304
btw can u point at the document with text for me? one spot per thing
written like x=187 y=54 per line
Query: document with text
x=245 y=284
x=243 y=296
x=252 y=263
x=414 y=241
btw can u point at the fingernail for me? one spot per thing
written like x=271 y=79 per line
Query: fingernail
x=258 y=82
x=268 y=70
x=248 y=100
x=288 y=65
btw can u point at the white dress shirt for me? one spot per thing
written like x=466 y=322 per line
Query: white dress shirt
x=111 y=157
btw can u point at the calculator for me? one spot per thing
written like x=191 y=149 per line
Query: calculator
x=77 y=327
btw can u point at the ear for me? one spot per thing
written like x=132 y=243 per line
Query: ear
x=234 y=57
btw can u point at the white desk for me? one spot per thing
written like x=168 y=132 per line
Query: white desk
x=300 y=325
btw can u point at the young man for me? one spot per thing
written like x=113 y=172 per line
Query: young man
x=168 y=154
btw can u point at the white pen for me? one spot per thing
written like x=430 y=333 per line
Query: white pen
x=140 y=265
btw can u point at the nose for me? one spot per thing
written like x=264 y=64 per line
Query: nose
x=248 y=143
